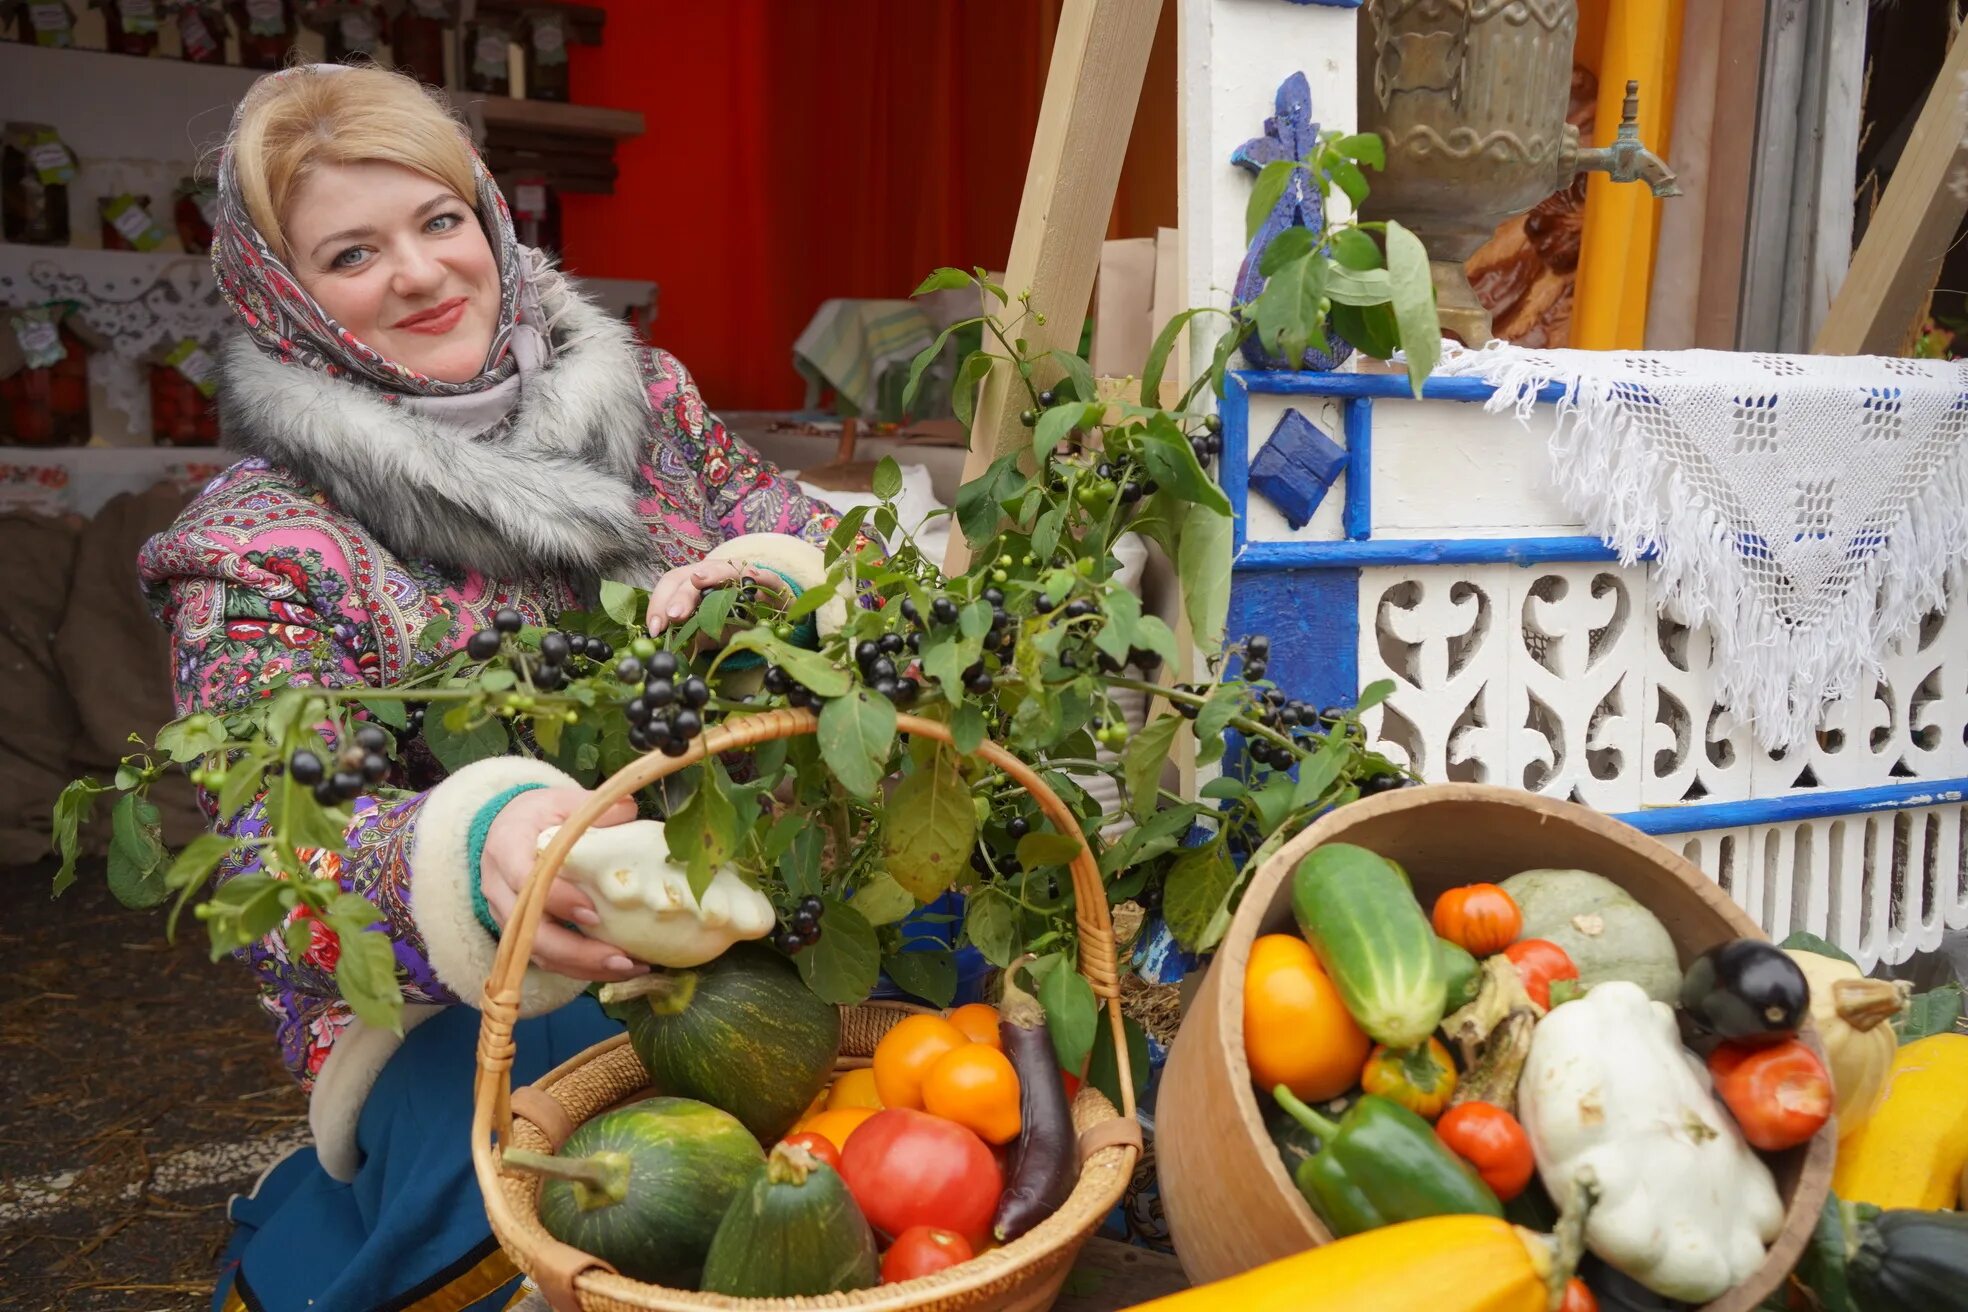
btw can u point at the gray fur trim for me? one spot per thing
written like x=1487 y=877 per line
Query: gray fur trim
x=553 y=491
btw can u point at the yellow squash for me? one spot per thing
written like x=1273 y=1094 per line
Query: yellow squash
x=1439 y=1264
x=1850 y=1013
x=1913 y=1150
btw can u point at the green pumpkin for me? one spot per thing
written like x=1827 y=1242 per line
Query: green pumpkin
x=643 y=1187
x=1606 y=933
x=742 y=1032
x=793 y=1231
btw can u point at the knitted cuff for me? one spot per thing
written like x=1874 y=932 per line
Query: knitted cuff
x=481 y=826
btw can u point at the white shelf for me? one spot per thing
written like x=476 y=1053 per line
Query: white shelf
x=120 y=107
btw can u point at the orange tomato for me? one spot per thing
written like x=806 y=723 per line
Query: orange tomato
x=1296 y=1030
x=905 y=1054
x=836 y=1125
x=1481 y=919
x=854 y=1089
x=976 y=1087
x=979 y=1020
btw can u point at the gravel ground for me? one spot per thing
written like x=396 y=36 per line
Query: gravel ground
x=141 y=1090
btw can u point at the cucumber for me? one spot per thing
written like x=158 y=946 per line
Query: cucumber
x=793 y=1231
x=643 y=1187
x=742 y=1032
x=1359 y=914
x=1462 y=977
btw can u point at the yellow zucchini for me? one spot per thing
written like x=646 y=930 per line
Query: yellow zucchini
x=1913 y=1150
x=1438 y=1264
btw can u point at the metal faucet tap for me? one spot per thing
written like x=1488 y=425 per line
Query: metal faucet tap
x=1626 y=160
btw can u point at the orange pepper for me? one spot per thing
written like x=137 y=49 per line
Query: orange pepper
x=976 y=1087
x=1296 y=1030
x=1420 y=1079
x=979 y=1020
x=905 y=1054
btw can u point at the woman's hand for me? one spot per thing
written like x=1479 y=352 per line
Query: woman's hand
x=676 y=594
x=511 y=847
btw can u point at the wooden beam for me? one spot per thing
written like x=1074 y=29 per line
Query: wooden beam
x=1897 y=263
x=1731 y=159
x=1098 y=60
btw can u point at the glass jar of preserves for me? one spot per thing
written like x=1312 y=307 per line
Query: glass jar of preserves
x=535 y=212
x=182 y=411
x=127 y=223
x=35 y=170
x=266 y=31
x=350 y=33
x=418 y=35
x=201 y=32
x=485 y=48
x=546 y=54
x=131 y=25
x=45 y=390
x=46 y=23
x=194 y=213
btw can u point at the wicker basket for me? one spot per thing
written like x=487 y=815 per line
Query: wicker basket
x=1022 y=1276
x=1231 y=1206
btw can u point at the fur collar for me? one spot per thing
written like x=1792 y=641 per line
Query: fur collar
x=553 y=491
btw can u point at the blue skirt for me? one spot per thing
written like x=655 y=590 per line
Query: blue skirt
x=409 y=1232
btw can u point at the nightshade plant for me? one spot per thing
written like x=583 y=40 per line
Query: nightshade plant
x=852 y=831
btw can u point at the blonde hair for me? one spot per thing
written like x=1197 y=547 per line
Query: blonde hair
x=291 y=122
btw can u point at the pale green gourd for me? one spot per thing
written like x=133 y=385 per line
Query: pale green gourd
x=1606 y=933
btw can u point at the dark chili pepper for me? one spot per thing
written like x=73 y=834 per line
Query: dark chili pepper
x=1045 y=1158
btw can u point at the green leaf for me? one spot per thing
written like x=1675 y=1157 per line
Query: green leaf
x=1045 y=533
x=944 y=279
x=980 y=501
x=1142 y=760
x=387 y=711
x=946 y=656
x=1224 y=701
x=1071 y=1013
x=1077 y=372
x=927 y=355
x=1413 y=299
x=136 y=853
x=931 y=829
x=433 y=635
x=1806 y=942
x=927 y=973
x=970 y=375
x=1291 y=244
x=201 y=856
x=714 y=611
x=457 y=747
x=1373 y=695
x=703 y=832
x=1117 y=633
x=1103 y=1073
x=1196 y=895
x=843 y=966
x=1358 y=287
x=1366 y=147
x=1203 y=569
x=1172 y=462
x=1287 y=313
x=856 y=732
x=1265 y=192
x=967 y=728
x=75 y=806
x=186 y=740
x=1316 y=774
x=1371 y=328
x=800 y=865
x=624 y=604
x=887 y=478
x=1347 y=176
x=824 y=677
x=1045 y=848
x=974 y=621
x=1060 y=420
x=1158 y=354
x=991 y=925
x=882 y=901
x=1932 y=1012
x=1352 y=250
x=365 y=975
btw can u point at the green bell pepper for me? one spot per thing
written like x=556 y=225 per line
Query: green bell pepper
x=1382 y=1164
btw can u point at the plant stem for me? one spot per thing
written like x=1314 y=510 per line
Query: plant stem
x=599 y=1180
x=1243 y=723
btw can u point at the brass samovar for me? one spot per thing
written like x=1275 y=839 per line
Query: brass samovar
x=1470 y=98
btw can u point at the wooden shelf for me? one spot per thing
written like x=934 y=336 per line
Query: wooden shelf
x=551 y=117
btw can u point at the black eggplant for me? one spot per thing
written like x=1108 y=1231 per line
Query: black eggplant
x=1045 y=1158
x=1746 y=989
x=1619 y=1292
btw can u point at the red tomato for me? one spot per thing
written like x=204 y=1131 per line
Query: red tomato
x=922 y=1250
x=1540 y=964
x=819 y=1145
x=1578 y=1298
x=908 y=1168
x=1491 y=1140
x=1779 y=1093
x=1072 y=1083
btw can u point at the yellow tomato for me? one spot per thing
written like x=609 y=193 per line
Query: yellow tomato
x=834 y=1126
x=979 y=1020
x=854 y=1089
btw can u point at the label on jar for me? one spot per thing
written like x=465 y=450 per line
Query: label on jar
x=549 y=40
x=131 y=219
x=196 y=364
x=51 y=22
x=530 y=200
x=265 y=18
x=489 y=53
x=434 y=9
x=39 y=338
x=52 y=162
x=208 y=207
x=197 y=37
x=359 y=32
x=137 y=15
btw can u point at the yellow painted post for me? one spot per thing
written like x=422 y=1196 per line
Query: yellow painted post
x=1622 y=219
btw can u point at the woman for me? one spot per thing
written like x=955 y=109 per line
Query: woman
x=437 y=428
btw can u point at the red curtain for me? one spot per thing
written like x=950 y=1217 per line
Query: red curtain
x=796 y=152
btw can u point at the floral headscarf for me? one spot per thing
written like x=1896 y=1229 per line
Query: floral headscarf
x=290 y=327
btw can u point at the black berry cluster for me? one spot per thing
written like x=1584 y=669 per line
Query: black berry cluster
x=1210 y=445
x=669 y=711
x=876 y=659
x=803 y=929
x=363 y=762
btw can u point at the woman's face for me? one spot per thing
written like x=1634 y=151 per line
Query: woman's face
x=400 y=261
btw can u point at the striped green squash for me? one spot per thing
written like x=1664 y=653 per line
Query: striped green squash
x=793 y=1231
x=1359 y=913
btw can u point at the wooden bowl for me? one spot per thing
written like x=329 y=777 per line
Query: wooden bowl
x=1230 y=1203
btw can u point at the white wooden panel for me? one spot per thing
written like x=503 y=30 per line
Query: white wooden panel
x=1451 y=469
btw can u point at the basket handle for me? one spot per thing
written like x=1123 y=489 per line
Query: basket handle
x=492 y=1108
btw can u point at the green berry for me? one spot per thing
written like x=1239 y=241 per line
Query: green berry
x=643 y=648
